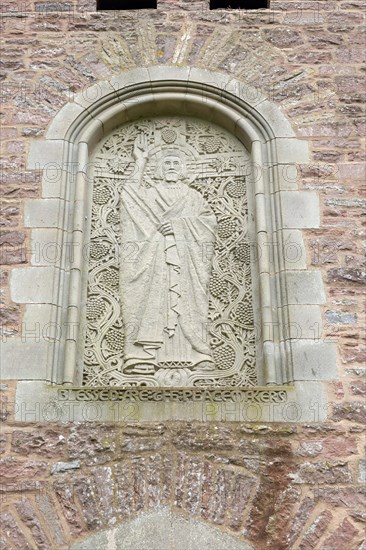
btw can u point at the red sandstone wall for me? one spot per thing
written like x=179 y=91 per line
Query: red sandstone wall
x=279 y=486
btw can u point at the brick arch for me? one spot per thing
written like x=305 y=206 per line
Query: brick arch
x=65 y=483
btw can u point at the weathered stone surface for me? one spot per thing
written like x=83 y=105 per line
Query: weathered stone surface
x=244 y=486
x=3 y=441
x=339 y=446
x=351 y=497
x=341 y=538
x=340 y=317
x=310 y=448
x=322 y=472
x=104 y=483
x=47 y=443
x=358 y=387
x=9 y=215
x=283 y=38
x=11 y=237
x=163 y=529
x=144 y=430
x=316 y=530
x=124 y=495
x=12 y=531
x=66 y=496
x=61 y=467
x=10 y=255
x=354 y=356
x=50 y=517
x=326 y=250
x=93 y=447
x=86 y=491
x=11 y=468
x=352 y=411
x=305 y=509
x=362 y=471
x=197 y=438
x=129 y=444
x=29 y=517
x=10 y=316
x=347 y=274
x=274 y=481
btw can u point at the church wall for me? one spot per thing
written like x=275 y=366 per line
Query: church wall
x=274 y=485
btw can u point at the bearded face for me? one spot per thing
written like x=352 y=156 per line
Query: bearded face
x=172 y=168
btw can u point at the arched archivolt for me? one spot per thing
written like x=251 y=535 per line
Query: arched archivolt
x=278 y=204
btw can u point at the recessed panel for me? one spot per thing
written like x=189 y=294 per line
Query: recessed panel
x=169 y=292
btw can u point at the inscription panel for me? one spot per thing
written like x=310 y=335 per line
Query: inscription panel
x=229 y=395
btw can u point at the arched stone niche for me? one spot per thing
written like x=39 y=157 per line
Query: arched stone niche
x=286 y=297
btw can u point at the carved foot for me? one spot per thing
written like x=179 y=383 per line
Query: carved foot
x=140 y=368
x=205 y=366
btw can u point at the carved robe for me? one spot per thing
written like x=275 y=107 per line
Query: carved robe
x=164 y=283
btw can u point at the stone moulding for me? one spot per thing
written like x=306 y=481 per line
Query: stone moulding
x=279 y=208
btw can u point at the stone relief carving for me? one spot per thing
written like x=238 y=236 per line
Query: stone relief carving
x=169 y=298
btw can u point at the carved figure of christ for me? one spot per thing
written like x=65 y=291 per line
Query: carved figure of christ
x=164 y=291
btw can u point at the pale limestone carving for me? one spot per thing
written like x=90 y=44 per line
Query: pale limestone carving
x=169 y=290
x=165 y=291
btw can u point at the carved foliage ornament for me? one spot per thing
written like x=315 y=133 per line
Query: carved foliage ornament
x=169 y=292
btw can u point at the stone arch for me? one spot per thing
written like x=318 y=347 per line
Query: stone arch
x=280 y=209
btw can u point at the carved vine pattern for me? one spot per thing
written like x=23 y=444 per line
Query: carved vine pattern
x=216 y=163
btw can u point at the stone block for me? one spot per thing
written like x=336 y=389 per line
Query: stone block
x=309 y=405
x=340 y=317
x=24 y=360
x=362 y=471
x=347 y=274
x=322 y=472
x=50 y=516
x=314 y=360
x=158 y=73
x=304 y=287
x=46 y=248
x=10 y=526
x=209 y=78
x=291 y=150
x=279 y=124
x=353 y=411
x=300 y=209
x=66 y=117
x=39 y=319
x=61 y=467
x=123 y=81
x=43 y=213
x=11 y=468
x=92 y=94
x=53 y=178
x=304 y=322
x=43 y=442
x=27 y=513
x=32 y=285
x=286 y=177
x=293 y=252
x=43 y=153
